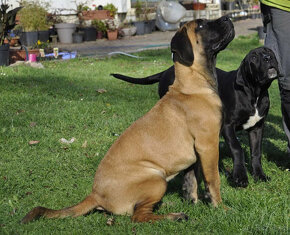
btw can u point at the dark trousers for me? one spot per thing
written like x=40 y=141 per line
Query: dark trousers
x=278 y=39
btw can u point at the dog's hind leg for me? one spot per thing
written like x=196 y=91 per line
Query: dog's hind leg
x=152 y=192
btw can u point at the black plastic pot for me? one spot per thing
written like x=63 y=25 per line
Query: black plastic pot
x=78 y=37
x=153 y=25
x=43 y=36
x=230 y=6
x=90 y=34
x=147 y=27
x=4 y=55
x=29 y=38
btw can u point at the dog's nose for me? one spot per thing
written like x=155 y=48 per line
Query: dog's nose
x=267 y=58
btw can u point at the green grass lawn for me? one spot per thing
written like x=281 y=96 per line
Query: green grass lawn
x=62 y=101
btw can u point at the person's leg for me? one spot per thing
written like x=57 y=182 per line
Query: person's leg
x=277 y=39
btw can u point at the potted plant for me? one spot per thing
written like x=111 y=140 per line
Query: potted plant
x=7 y=22
x=100 y=27
x=78 y=36
x=112 y=31
x=98 y=13
x=197 y=6
x=22 y=54
x=33 y=21
x=112 y=9
x=143 y=24
x=128 y=29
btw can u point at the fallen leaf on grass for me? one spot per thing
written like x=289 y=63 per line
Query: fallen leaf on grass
x=19 y=111
x=33 y=142
x=110 y=221
x=65 y=141
x=101 y=91
x=85 y=144
x=32 y=124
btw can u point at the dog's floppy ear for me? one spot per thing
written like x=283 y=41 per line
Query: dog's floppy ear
x=243 y=73
x=181 y=48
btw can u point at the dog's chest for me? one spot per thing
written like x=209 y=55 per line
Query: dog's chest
x=252 y=119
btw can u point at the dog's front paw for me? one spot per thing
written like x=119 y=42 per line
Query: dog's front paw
x=240 y=178
x=259 y=175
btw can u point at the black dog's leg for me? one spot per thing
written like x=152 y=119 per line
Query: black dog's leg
x=191 y=182
x=240 y=177
x=255 y=139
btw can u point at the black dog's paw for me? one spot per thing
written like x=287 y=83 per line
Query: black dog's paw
x=240 y=178
x=259 y=175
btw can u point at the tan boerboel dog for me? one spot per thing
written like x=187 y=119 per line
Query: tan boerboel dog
x=183 y=125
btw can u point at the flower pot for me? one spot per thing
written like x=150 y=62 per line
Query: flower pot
x=230 y=6
x=90 y=34
x=96 y=15
x=65 y=31
x=147 y=27
x=100 y=35
x=78 y=37
x=4 y=55
x=199 y=6
x=140 y=25
x=29 y=38
x=152 y=25
x=129 y=31
x=43 y=35
x=21 y=55
x=112 y=35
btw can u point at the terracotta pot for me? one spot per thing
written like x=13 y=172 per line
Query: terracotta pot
x=112 y=35
x=96 y=15
x=199 y=6
x=17 y=54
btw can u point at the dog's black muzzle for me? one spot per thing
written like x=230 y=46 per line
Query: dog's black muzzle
x=225 y=29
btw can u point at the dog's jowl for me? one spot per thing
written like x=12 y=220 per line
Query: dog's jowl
x=184 y=124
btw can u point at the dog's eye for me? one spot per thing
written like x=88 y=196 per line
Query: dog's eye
x=254 y=57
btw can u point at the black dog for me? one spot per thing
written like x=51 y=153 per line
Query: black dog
x=244 y=93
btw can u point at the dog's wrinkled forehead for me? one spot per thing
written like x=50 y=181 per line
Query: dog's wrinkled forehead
x=262 y=55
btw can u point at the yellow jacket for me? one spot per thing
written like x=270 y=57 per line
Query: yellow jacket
x=281 y=4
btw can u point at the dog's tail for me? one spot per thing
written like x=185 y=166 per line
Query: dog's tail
x=82 y=208
x=142 y=81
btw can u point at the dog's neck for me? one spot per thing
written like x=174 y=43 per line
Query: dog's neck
x=191 y=79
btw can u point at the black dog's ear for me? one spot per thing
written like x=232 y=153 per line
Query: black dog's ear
x=244 y=73
x=181 y=48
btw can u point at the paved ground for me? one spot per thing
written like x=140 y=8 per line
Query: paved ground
x=104 y=47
